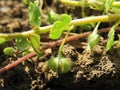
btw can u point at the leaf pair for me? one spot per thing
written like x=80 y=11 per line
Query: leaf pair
x=60 y=26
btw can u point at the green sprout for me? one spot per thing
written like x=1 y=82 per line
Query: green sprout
x=60 y=64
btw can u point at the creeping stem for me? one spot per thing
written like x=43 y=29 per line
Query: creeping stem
x=79 y=3
x=76 y=22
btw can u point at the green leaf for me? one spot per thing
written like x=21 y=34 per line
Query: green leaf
x=65 y=19
x=110 y=39
x=2 y=40
x=35 y=42
x=108 y=5
x=96 y=4
x=34 y=14
x=60 y=26
x=57 y=30
x=22 y=43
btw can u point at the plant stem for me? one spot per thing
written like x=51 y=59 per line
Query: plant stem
x=61 y=46
x=78 y=3
x=53 y=44
x=76 y=22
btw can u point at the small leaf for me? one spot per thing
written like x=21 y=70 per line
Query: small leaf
x=65 y=19
x=2 y=40
x=110 y=39
x=34 y=14
x=35 y=42
x=93 y=40
x=108 y=5
x=60 y=26
x=57 y=30
x=9 y=51
x=96 y=4
x=22 y=43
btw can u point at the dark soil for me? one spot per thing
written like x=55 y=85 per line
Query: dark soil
x=90 y=71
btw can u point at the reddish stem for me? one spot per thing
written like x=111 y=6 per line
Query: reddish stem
x=53 y=44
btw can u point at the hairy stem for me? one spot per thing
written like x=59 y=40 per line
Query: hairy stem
x=76 y=22
x=79 y=3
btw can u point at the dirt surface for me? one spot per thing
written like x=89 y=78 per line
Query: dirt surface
x=99 y=70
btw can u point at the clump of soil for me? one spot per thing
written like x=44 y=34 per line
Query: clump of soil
x=97 y=70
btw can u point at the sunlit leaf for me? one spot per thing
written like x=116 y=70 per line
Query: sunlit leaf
x=35 y=42
x=96 y=4
x=22 y=43
x=110 y=39
x=65 y=19
x=34 y=14
x=57 y=30
x=108 y=4
x=2 y=40
x=60 y=26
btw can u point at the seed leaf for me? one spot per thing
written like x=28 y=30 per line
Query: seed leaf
x=60 y=26
x=110 y=39
x=34 y=14
x=35 y=42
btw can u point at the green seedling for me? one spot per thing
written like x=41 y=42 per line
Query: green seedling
x=60 y=64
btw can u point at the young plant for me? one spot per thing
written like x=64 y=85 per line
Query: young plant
x=60 y=64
